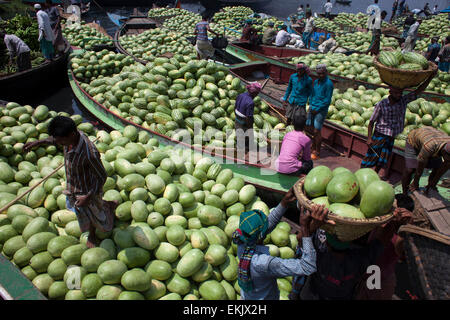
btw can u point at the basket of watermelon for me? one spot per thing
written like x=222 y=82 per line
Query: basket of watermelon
x=357 y=202
x=403 y=70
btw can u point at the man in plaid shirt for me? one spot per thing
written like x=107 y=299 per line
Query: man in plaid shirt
x=388 y=119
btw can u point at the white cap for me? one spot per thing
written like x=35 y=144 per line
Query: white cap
x=37 y=6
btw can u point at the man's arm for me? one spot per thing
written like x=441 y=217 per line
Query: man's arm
x=370 y=132
x=288 y=90
x=28 y=146
x=213 y=32
x=277 y=213
x=10 y=48
x=425 y=84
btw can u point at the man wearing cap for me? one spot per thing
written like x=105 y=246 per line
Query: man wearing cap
x=319 y=103
x=425 y=148
x=269 y=34
x=45 y=33
x=258 y=270
x=433 y=50
x=297 y=93
x=244 y=108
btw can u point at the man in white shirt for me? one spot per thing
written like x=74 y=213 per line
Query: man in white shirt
x=411 y=39
x=16 y=47
x=328 y=6
x=308 y=31
x=283 y=37
x=45 y=33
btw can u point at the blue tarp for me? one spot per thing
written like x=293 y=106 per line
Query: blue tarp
x=446 y=10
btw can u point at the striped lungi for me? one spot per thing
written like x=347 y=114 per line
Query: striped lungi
x=98 y=214
x=382 y=148
x=47 y=49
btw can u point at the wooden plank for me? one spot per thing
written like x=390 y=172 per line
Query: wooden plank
x=440 y=219
x=434 y=201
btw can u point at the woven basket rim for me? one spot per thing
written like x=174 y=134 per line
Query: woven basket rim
x=303 y=199
x=381 y=66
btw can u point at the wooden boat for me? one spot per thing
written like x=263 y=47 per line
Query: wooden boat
x=349 y=143
x=44 y=78
x=260 y=172
x=280 y=68
x=344 y=2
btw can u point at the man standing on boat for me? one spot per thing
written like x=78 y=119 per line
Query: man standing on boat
x=55 y=23
x=375 y=26
x=85 y=177
x=308 y=31
x=45 y=33
x=269 y=34
x=297 y=93
x=425 y=148
x=410 y=42
x=203 y=46
x=328 y=6
x=16 y=47
x=386 y=122
x=394 y=9
x=244 y=108
x=319 y=102
x=300 y=12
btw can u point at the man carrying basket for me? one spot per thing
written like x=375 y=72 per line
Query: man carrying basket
x=386 y=122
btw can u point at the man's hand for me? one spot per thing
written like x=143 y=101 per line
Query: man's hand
x=319 y=217
x=402 y=216
x=369 y=141
x=314 y=112
x=30 y=145
x=83 y=200
x=288 y=198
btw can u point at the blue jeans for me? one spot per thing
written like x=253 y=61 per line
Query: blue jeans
x=319 y=118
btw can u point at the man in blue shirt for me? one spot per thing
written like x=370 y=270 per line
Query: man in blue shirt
x=203 y=46
x=258 y=270
x=297 y=93
x=319 y=102
x=433 y=50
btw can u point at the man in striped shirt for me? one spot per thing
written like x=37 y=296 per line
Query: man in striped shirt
x=425 y=148
x=85 y=176
x=386 y=122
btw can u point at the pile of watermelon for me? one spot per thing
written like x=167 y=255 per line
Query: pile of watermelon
x=155 y=42
x=171 y=96
x=172 y=235
x=83 y=36
x=360 y=41
x=352 y=110
x=405 y=61
x=359 y=195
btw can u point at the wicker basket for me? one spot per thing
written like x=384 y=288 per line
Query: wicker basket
x=427 y=256
x=403 y=78
x=346 y=229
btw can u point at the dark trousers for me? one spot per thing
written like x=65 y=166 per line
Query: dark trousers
x=23 y=61
x=306 y=167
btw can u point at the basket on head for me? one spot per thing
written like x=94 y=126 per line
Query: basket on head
x=346 y=229
x=427 y=256
x=403 y=78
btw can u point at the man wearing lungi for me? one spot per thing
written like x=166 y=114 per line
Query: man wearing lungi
x=388 y=120
x=85 y=176
x=425 y=148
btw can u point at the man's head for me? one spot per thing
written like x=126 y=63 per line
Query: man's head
x=301 y=6
x=284 y=27
x=64 y=130
x=301 y=68
x=321 y=70
x=434 y=39
x=204 y=17
x=252 y=229
x=48 y=3
x=376 y=1
x=383 y=14
x=270 y=24
x=254 y=88
x=404 y=201
x=249 y=21
x=307 y=5
x=395 y=93
x=299 y=123
x=37 y=7
x=335 y=244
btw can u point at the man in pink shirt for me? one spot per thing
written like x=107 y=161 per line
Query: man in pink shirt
x=295 y=154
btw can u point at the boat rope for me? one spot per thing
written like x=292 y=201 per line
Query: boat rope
x=226 y=28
